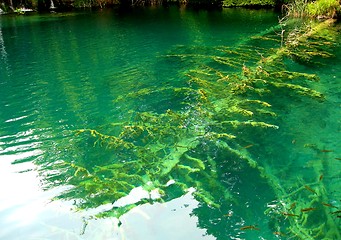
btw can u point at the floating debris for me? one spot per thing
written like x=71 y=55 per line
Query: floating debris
x=279 y=234
x=310 y=189
x=292 y=206
x=251 y=227
x=328 y=205
x=308 y=209
x=326 y=151
x=290 y=214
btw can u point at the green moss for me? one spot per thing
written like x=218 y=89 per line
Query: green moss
x=315 y=9
x=244 y=3
x=324 y=8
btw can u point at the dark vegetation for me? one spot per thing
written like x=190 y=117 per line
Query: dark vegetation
x=295 y=8
x=46 y=5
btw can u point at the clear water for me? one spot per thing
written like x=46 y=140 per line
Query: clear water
x=63 y=72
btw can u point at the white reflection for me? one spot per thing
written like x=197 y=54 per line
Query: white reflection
x=3 y=53
x=134 y=196
x=12 y=144
x=167 y=221
x=26 y=212
x=15 y=119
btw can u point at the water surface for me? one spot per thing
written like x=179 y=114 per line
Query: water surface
x=63 y=72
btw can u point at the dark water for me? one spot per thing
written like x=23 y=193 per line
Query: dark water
x=63 y=72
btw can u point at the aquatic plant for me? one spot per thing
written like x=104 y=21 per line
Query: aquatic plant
x=315 y=9
x=324 y=8
x=295 y=8
x=252 y=3
x=226 y=101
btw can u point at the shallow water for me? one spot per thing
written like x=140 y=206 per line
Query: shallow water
x=63 y=72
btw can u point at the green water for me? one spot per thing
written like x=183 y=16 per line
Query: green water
x=60 y=73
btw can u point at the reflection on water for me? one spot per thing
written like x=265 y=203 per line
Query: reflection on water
x=3 y=55
x=2 y=47
x=165 y=120
x=28 y=213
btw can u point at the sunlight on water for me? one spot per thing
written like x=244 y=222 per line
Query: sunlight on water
x=28 y=213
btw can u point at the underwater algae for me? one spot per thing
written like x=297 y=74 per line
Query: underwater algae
x=226 y=93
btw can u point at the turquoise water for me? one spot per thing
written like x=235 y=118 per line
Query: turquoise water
x=61 y=73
